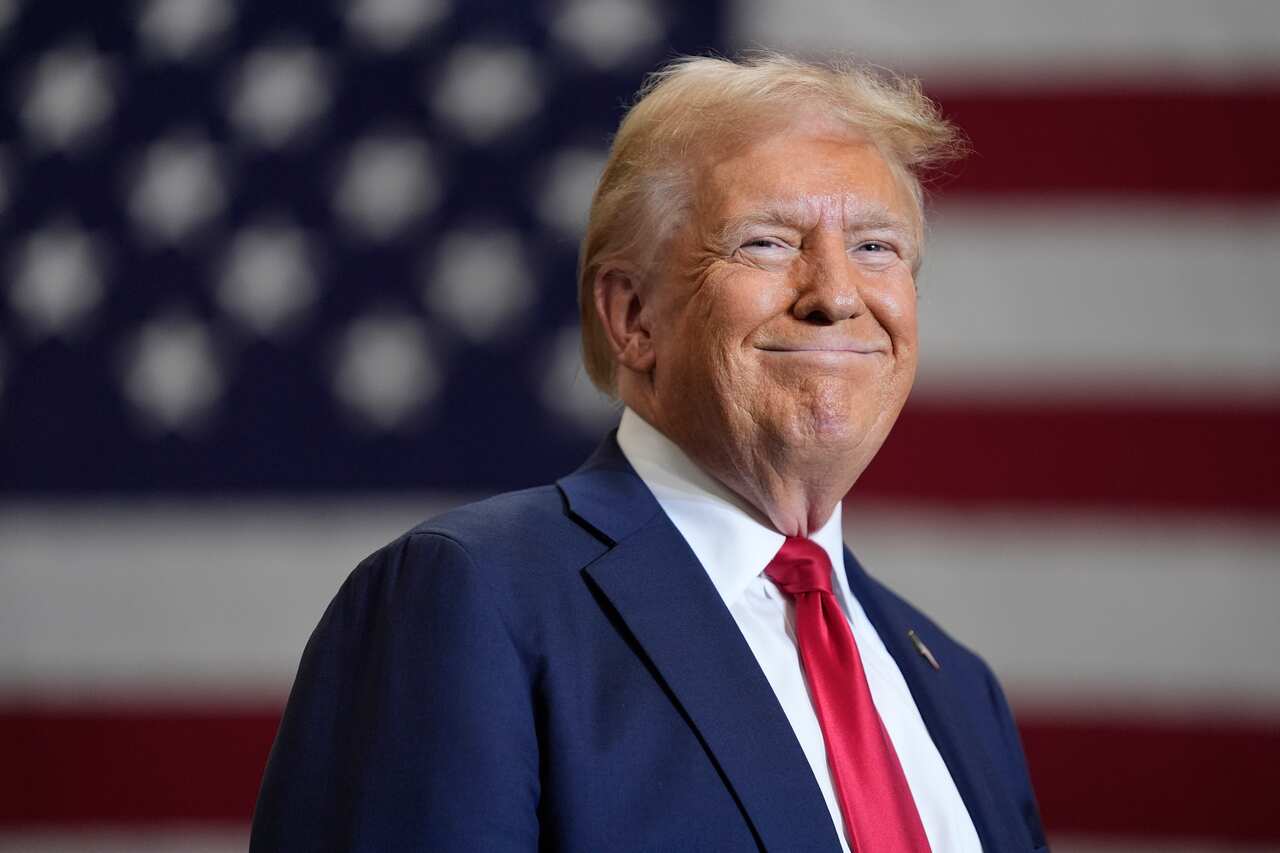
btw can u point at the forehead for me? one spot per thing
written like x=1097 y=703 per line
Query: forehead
x=802 y=173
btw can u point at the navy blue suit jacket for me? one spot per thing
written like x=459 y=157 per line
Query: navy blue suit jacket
x=553 y=670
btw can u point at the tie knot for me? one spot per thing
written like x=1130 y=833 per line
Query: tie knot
x=800 y=566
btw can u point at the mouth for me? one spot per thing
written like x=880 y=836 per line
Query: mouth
x=832 y=351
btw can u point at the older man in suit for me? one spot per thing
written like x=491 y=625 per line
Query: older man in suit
x=670 y=648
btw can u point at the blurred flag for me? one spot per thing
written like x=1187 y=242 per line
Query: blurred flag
x=278 y=283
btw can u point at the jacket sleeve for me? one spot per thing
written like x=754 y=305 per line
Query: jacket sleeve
x=410 y=725
x=1015 y=760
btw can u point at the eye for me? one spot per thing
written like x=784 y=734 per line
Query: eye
x=765 y=250
x=875 y=254
x=764 y=243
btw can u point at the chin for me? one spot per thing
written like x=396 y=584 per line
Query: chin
x=842 y=425
x=841 y=439
x=831 y=410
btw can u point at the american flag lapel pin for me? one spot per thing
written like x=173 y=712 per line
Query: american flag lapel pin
x=922 y=649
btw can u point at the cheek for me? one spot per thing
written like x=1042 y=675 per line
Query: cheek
x=760 y=295
x=735 y=303
x=895 y=308
x=716 y=338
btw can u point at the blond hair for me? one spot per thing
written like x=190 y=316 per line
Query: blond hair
x=647 y=180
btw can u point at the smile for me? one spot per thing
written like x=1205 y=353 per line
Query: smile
x=825 y=350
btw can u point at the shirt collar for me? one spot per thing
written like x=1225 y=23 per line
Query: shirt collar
x=732 y=539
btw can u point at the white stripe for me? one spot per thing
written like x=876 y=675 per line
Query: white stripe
x=172 y=839
x=140 y=599
x=169 y=598
x=1023 y=44
x=1157 y=614
x=1100 y=298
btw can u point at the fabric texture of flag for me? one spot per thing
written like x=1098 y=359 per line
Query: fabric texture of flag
x=278 y=281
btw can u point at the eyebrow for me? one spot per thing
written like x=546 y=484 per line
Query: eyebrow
x=802 y=214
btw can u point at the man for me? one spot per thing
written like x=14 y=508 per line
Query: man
x=656 y=653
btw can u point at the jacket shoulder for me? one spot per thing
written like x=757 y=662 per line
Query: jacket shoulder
x=529 y=527
x=520 y=546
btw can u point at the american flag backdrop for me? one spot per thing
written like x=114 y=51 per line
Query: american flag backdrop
x=278 y=280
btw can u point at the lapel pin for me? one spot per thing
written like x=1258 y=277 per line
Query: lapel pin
x=923 y=649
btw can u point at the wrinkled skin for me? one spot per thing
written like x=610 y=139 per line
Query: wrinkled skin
x=774 y=339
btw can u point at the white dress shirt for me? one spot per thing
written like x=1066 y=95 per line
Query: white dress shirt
x=734 y=543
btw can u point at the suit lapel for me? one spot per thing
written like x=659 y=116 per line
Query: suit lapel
x=677 y=619
x=946 y=718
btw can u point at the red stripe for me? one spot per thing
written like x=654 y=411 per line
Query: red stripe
x=1203 y=457
x=1219 y=144
x=1145 y=778
x=134 y=765
x=1137 y=778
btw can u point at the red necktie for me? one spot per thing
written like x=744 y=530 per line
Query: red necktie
x=879 y=813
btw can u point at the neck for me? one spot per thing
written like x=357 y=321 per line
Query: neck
x=797 y=498
x=795 y=492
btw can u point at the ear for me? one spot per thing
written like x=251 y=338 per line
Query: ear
x=620 y=308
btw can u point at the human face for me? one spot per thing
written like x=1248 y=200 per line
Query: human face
x=783 y=319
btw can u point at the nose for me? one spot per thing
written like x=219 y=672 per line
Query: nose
x=828 y=288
